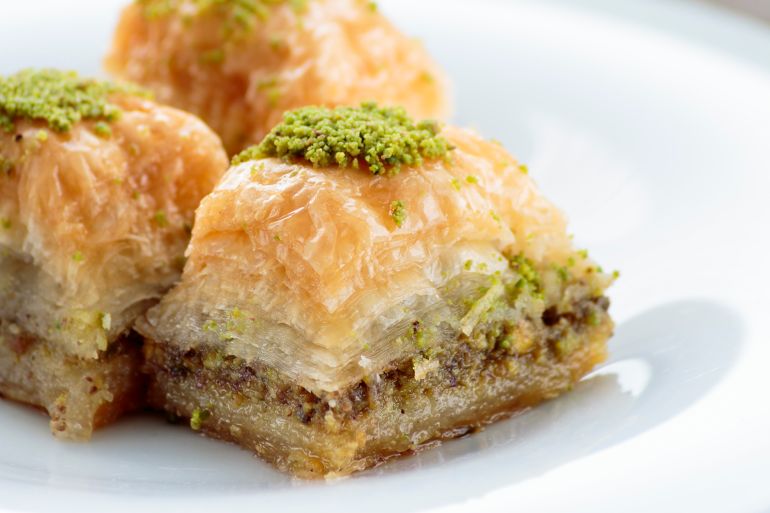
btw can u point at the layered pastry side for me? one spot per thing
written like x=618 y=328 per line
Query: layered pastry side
x=98 y=186
x=239 y=64
x=360 y=285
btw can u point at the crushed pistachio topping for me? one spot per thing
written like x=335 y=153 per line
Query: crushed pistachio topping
x=77 y=256
x=6 y=165
x=198 y=417
x=238 y=14
x=5 y=223
x=160 y=218
x=58 y=98
x=383 y=139
x=103 y=130
x=529 y=278
x=398 y=212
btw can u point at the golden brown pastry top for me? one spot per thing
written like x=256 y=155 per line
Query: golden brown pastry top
x=241 y=71
x=95 y=219
x=317 y=270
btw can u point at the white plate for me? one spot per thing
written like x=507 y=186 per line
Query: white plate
x=649 y=122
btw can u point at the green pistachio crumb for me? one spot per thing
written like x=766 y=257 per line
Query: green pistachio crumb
x=455 y=184
x=6 y=165
x=199 y=416
x=160 y=218
x=277 y=43
x=77 y=256
x=58 y=98
x=583 y=253
x=214 y=56
x=471 y=179
x=5 y=223
x=419 y=339
x=277 y=237
x=468 y=265
x=529 y=278
x=41 y=135
x=398 y=212
x=494 y=215
x=237 y=15
x=384 y=139
x=616 y=274
x=524 y=169
x=103 y=130
x=372 y=6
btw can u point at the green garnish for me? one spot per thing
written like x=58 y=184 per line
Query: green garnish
x=398 y=212
x=238 y=14
x=384 y=139
x=529 y=278
x=41 y=135
x=215 y=56
x=77 y=256
x=161 y=219
x=103 y=130
x=6 y=165
x=5 y=223
x=198 y=417
x=471 y=179
x=58 y=98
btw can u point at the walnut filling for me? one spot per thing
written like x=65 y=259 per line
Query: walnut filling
x=496 y=370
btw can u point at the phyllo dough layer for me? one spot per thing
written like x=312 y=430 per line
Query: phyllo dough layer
x=98 y=187
x=240 y=64
x=382 y=283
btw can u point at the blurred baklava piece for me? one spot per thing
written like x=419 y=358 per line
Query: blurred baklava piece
x=360 y=284
x=98 y=186
x=239 y=64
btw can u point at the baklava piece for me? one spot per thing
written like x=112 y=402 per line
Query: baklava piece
x=359 y=285
x=239 y=64
x=98 y=186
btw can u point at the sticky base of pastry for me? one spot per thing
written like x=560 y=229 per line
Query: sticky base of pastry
x=79 y=395
x=392 y=413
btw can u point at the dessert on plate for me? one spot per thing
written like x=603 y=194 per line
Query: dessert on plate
x=360 y=285
x=239 y=64
x=98 y=186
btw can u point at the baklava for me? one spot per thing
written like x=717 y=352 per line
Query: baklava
x=239 y=64
x=360 y=285
x=98 y=187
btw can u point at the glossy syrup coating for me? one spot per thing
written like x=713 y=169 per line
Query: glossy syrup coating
x=97 y=194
